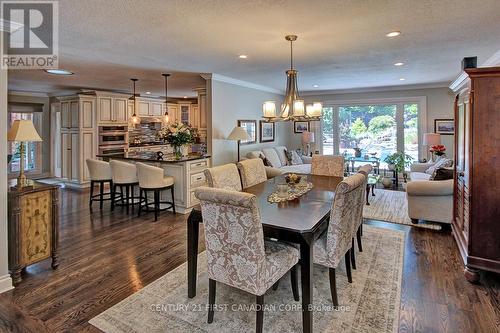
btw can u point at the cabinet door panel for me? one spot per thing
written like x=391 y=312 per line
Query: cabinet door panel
x=74 y=156
x=65 y=115
x=156 y=109
x=87 y=111
x=66 y=155
x=143 y=108
x=203 y=111
x=120 y=110
x=74 y=114
x=87 y=152
x=105 y=109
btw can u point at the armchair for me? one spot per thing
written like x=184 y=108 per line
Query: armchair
x=430 y=200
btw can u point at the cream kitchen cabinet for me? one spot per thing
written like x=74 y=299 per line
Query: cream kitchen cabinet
x=111 y=110
x=156 y=109
x=143 y=108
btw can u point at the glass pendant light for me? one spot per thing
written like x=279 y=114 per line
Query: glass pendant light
x=135 y=119
x=165 y=116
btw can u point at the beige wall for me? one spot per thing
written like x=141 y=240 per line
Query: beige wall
x=439 y=105
x=5 y=281
x=230 y=103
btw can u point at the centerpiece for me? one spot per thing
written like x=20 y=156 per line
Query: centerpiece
x=438 y=150
x=179 y=136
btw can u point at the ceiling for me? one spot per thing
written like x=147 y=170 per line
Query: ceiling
x=341 y=44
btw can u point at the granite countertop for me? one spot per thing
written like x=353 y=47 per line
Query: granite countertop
x=153 y=157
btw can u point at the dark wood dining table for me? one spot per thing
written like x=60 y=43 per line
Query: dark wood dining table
x=299 y=221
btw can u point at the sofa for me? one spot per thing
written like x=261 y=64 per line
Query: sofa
x=277 y=159
x=430 y=200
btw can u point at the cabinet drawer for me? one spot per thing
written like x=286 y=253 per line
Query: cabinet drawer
x=198 y=179
x=198 y=165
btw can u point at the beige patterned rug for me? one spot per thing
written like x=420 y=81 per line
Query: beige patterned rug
x=391 y=206
x=370 y=304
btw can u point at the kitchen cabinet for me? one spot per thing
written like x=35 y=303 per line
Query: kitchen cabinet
x=156 y=109
x=143 y=108
x=184 y=111
x=174 y=113
x=111 y=110
x=69 y=114
x=194 y=116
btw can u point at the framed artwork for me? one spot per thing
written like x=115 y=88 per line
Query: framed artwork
x=444 y=126
x=300 y=126
x=267 y=130
x=251 y=127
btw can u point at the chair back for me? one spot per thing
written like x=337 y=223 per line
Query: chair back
x=98 y=170
x=324 y=165
x=224 y=176
x=365 y=170
x=123 y=172
x=234 y=239
x=252 y=172
x=343 y=218
x=149 y=176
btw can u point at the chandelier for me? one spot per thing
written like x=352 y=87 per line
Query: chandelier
x=293 y=107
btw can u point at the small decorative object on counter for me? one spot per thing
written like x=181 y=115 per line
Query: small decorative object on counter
x=438 y=150
x=357 y=152
x=179 y=136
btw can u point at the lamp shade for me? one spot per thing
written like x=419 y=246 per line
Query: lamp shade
x=238 y=133
x=431 y=139
x=307 y=137
x=269 y=109
x=23 y=131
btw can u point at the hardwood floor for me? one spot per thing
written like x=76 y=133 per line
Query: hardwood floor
x=105 y=257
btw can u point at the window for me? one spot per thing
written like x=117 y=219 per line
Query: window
x=378 y=128
x=33 y=150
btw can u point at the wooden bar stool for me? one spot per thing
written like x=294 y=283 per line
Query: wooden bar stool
x=124 y=176
x=100 y=173
x=152 y=179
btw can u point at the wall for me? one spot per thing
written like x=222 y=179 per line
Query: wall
x=5 y=281
x=46 y=146
x=439 y=106
x=230 y=103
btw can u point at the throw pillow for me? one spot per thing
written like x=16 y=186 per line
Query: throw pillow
x=442 y=163
x=443 y=174
x=288 y=157
x=295 y=158
x=264 y=159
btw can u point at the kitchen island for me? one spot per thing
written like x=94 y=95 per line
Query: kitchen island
x=188 y=173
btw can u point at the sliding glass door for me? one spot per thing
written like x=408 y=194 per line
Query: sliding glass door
x=377 y=129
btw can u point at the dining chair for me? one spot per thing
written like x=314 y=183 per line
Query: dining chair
x=237 y=253
x=153 y=179
x=99 y=173
x=224 y=176
x=337 y=241
x=324 y=165
x=252 y=172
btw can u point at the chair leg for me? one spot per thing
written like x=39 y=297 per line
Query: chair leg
x=358 y=237
x=91 y=194
x=173 y=199
x=295 y=284
x=140 y=202
x=333 y=287
x=113 y=196
x=259 y=322
x=348 y=265
x=211 y=299
x=157 y=204
x=353 y=256
x=101 y=194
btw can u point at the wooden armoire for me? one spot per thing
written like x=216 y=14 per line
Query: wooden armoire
x=476 y=222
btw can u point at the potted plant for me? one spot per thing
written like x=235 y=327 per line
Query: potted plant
x=179 y=136
x=398 y=161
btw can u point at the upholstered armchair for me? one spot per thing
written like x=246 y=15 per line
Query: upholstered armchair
x=224 y=176
x=252 y=172
x=336 y=243
x=430 y=200
x=324 y=165
x=237 y=253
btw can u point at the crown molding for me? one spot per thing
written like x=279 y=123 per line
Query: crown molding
x=28 y=93
x=375 y=89
x=241 y=83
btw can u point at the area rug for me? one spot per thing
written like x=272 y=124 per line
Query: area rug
x=392 y=206
x=370 y=304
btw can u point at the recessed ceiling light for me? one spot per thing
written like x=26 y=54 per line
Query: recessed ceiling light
x=402 y=79
x=59 y=72
x=399 y=64
x=242 y=56
x=185 y=97
x=148 y=92
x=393 y=34
x=315 y=86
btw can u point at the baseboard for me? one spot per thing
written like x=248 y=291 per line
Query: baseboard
x=5 y=283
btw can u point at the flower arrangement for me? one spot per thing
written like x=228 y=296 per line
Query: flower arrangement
x=177 y=134
x=438 y=150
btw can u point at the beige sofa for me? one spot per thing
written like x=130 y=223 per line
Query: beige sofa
x=430 y=200
x=276 y=156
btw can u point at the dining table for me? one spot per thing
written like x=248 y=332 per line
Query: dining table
x=300 y=221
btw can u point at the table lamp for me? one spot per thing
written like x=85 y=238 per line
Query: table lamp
x=307 y=139
x=22 y=131
x=431 y=139
x=238 y=134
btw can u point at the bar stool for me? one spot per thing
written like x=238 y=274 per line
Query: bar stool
x=100 y=173
x=124 y=175
x=152 y=179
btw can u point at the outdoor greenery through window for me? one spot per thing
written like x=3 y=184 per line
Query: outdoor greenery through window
x=378 y=130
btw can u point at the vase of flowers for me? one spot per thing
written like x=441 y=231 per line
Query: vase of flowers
x=179 y=136
x=438 y=150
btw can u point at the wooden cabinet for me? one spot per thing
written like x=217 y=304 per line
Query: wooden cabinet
x=476 y=218
x=156 y=109
x=174 y=113
x=69 y=114
x=111 y=110
x=194 y=116
x=143 y=108
x=32 y=227
x=202 y=107
x=184 y=111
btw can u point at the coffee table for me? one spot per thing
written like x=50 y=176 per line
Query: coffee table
x=372 y=181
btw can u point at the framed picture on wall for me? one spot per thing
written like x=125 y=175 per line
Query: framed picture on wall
x=267 y=130
x=251 y=127
x=444 y=126
x=300 y=126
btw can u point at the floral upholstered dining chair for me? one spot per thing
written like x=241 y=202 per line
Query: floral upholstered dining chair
x=237 y=253
x=224 y=176
x=324 y=165
x=252 y=172
x=337 y=241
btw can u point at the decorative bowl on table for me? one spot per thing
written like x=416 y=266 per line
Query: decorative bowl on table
x=292 y=179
